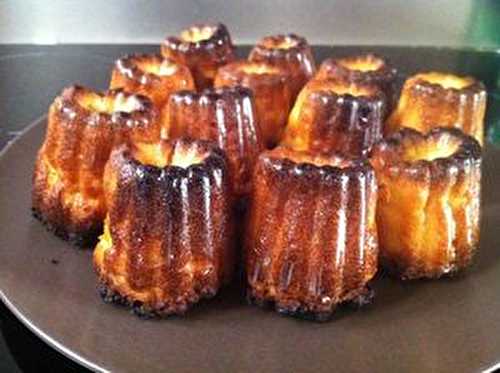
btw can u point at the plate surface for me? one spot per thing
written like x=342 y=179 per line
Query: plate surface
x=448 y=325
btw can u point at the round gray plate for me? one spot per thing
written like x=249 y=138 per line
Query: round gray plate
x=449 y=325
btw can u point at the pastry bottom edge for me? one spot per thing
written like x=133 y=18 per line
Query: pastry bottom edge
x=84 y=239
x=144 y=311
x=362 y=298
x=411 y=273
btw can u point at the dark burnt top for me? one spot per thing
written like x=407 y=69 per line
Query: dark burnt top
x=442 y=150
x=146 y=68
x=174 y=157
x=286 y=161
x=444 y=84
x=366 y=68
x=339 y=90
x=114 y=106
x=243 y=70
x=212 y=96
x=282 y=47
x=200 y=37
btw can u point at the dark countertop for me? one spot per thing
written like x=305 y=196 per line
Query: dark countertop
x=34 y=75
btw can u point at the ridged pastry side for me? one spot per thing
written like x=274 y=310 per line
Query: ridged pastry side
x=290 y=52
x=151 y=76
x=428 y=206
x=226 y=116
x=311 y=242
x=334 y=116
x=367 y=69
x=271 y=92
x=204 y=48
x=434 y=99
x=168 y=238
x=83 y=127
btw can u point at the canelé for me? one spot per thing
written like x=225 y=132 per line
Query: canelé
x=363 y=69
x=83 y=127
x=204 y=48
x=271 y=93
x=428 y=201
x=311 y=242
x=167 y=238
x=436 y=99
x=332 y=115
x=151 y=76
x=290 y=52
x=223 y=115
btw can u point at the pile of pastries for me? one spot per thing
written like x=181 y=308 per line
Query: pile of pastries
x=324 y=174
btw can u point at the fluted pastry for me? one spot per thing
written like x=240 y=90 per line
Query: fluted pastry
x=433 y=99
x=331 y=115
x=428 y=201
x=151 y=76
x=167 y=240
x=290 y=52
x=366 y=69
x=223 y=115
x=271 y=92
x=83 y=127
x=204 y=48
x=311 y=242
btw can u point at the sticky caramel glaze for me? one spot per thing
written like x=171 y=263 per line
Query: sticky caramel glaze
x=83 y=127
x=332 y=115
x=311 y=241
x=204 y=48
x=151 y=76
x=223 y=115
x=290 y=52
x=428 y=201
x=271 y=93
x=436 y=99
x=367 y=69
x=167 y=241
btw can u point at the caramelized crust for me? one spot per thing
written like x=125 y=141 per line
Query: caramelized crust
x=167 y=238
x=83 y=127
x=367 y=69
x=204 y=48
x=152 y=76
x=428 y=201
x=436 y=99
x=270 y=89
x=311 y=241
x=225 y=116
x=290 y=52
x=331 y=115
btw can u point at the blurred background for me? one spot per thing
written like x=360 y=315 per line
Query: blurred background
x=457 y=23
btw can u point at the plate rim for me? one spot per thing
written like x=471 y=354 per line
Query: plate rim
x=52 y=342
x=61 y=348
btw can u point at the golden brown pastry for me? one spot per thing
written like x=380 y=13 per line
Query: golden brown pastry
x=223 y=115
x=433 y=99
x=428 y=201
x=331 y=115
x=83 y=127
x=151 y=76
x=167 y=238
x=271 y=93
x=311 y=242
x=290 y=52
x=366 y=69
x=204 y=48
